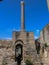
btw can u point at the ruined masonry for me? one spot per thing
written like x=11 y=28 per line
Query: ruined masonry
x=22 y=43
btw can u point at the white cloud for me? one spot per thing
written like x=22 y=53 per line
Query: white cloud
x=8 y=38
x=35 y=37
x=36 y=34
x=37 y=30
x=12 y=29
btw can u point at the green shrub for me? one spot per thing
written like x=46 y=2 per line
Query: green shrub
x=28 y=62
x=46 y=45
x=4 y=63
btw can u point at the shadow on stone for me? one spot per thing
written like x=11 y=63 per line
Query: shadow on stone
x=41 y=63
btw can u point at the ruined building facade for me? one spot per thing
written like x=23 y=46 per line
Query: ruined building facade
x=24 y=38
x=44 y=35
x=22 y=43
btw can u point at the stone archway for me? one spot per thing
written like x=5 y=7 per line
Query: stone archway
x=18 y=52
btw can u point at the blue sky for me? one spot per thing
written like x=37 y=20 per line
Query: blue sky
x=36 y=17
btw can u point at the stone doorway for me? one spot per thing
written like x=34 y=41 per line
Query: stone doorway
x=18 y=54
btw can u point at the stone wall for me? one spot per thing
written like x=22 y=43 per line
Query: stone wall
x=44 y=35
x=28 y=44
x=6 y=52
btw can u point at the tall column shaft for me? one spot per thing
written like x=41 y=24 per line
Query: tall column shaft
x=22 y=16
x=48 y=4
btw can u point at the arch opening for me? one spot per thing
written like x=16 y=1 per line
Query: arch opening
x=18 y=53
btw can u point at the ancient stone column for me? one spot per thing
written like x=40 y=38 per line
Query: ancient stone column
x=22 y=16
x=48 y=4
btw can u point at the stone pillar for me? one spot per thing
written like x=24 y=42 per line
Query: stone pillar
x=22 y=16
x=48 y=4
